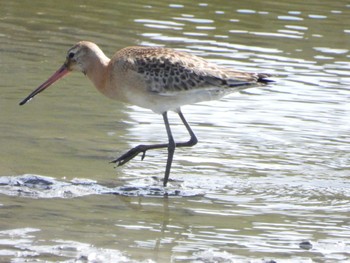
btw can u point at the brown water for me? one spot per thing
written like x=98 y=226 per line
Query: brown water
x=271 y=170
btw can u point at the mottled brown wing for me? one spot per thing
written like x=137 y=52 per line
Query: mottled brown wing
x=167 y=71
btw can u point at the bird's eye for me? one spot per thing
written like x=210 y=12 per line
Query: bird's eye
x=71 y=55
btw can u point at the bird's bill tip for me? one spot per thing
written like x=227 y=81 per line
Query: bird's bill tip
x=61 y=72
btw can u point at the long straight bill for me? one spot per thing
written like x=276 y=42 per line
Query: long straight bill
x=56 y=76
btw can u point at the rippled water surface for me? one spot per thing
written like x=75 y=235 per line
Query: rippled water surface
x=269 y=180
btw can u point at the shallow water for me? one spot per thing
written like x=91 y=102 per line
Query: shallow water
x=268 y=181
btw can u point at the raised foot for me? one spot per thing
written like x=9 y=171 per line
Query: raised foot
x=132 y=153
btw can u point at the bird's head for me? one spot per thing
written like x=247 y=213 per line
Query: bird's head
x=78 y=58
x=81 y=55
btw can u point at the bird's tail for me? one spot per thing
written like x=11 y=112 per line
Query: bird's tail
x=263 y=78
x=252 y=80
x=239 y=81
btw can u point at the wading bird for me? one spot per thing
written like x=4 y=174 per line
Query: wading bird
x=156 y=78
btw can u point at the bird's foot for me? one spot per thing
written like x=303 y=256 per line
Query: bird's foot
x=132 y=153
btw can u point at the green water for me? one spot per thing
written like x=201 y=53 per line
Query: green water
x=271 y=168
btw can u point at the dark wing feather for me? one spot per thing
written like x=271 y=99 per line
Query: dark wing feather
x=166 y=70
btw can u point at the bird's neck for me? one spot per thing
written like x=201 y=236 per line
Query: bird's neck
x=97 y=71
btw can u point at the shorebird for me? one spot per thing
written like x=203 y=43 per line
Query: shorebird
x=156 y=78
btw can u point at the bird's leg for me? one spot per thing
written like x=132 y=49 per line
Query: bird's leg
x=132 y=153
x=193 y=140
x=143 y=148
x=171 y=149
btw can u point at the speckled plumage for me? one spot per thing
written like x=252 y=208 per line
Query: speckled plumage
x=166 y=70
